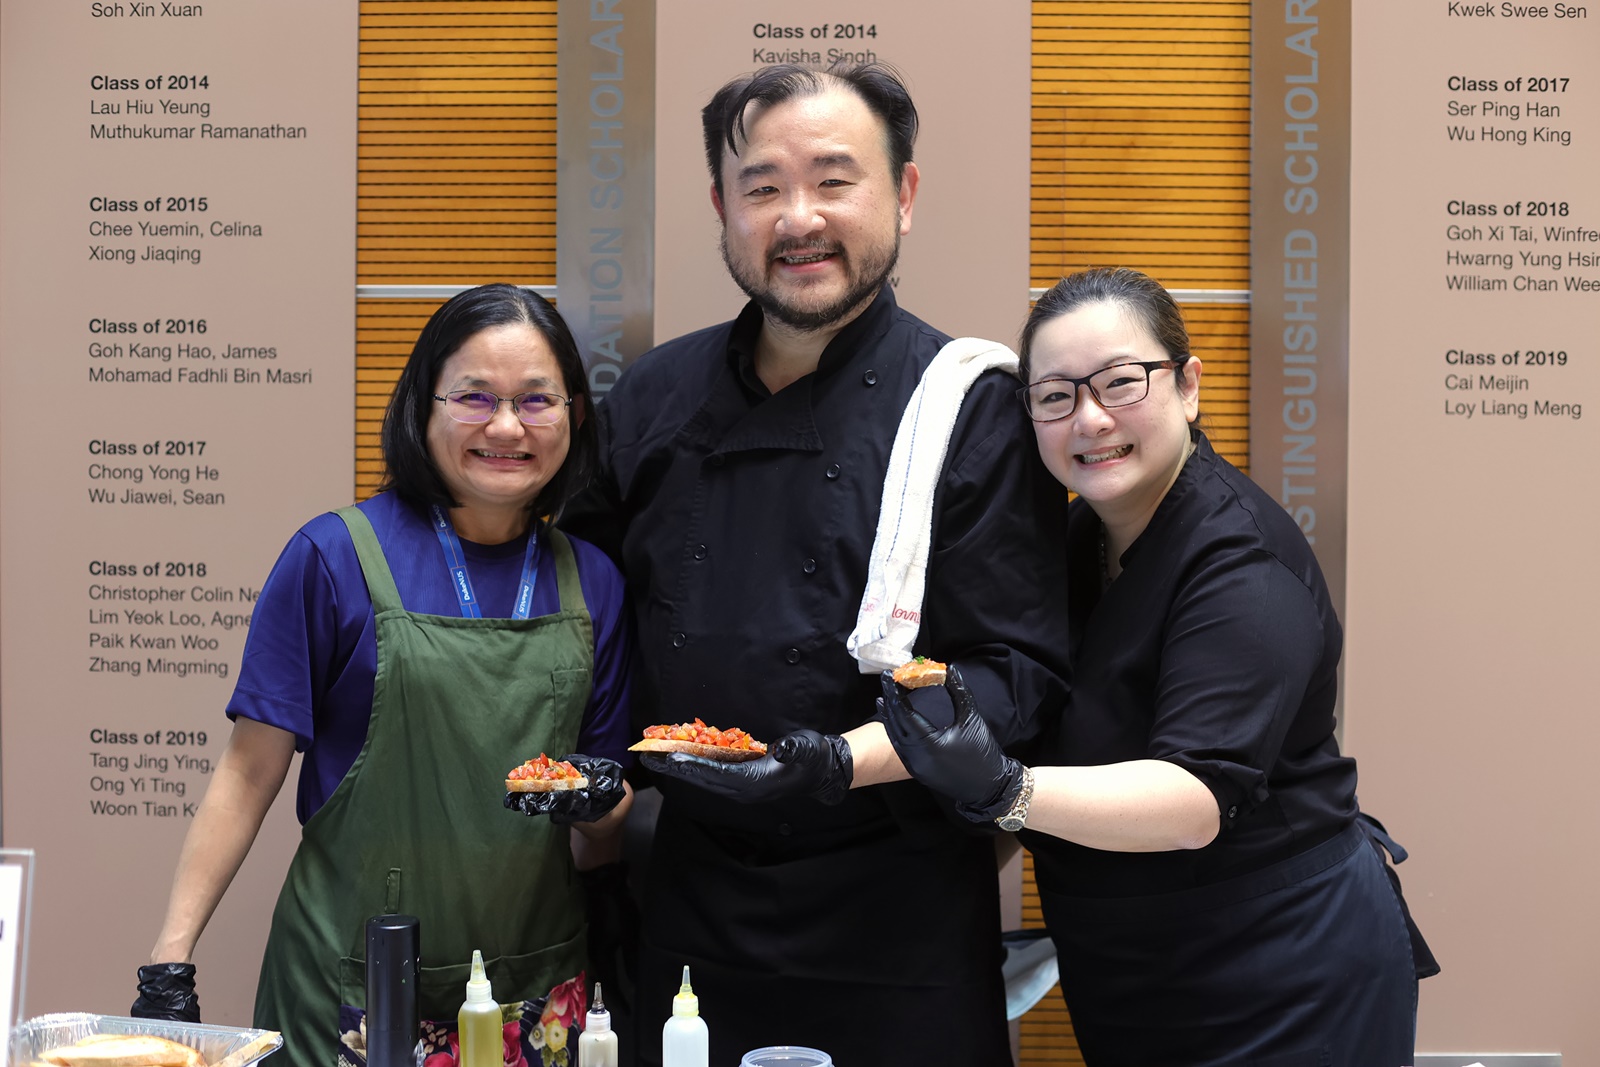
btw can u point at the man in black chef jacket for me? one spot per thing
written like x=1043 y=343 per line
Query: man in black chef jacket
x=824 y=900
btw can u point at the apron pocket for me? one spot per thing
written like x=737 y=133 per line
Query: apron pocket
x=571 y=685
x=528 y=976
x=441 y=990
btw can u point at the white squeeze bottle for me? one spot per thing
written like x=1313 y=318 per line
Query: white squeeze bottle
x=685 y=1041
x=482 y=1044
x=597 y=1045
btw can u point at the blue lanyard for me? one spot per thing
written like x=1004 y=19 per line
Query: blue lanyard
x=456 y=560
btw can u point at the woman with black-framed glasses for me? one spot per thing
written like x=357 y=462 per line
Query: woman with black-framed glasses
x=416 y=648
x=1215 y=895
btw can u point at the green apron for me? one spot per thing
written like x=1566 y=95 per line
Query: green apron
x=418 y=824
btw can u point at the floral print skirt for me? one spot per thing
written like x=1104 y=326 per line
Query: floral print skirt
x=538 y=1033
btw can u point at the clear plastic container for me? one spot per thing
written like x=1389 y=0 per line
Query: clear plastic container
x=216 y=1043
x=786 y=1056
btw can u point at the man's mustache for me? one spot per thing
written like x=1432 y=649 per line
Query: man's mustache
x=792 y=247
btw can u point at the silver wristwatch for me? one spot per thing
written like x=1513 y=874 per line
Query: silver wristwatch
x=1013 y=820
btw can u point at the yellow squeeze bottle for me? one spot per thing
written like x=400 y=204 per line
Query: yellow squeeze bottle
x=685 y=1042
x=479 y=1024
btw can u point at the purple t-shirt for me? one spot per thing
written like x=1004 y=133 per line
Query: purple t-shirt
x=312 y=653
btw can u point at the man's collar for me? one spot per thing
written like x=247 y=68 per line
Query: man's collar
x=865 y=327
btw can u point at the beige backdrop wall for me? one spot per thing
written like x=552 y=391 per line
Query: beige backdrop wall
x=1474 y=371
x=176 y=259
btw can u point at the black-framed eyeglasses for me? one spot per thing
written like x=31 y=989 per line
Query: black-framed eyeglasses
x=1118 y=386
x=479 y=406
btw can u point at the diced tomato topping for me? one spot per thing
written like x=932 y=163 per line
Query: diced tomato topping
x=700 y=733
x=544 y=769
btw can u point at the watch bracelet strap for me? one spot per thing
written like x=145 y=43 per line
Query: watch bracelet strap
x=1019 y=805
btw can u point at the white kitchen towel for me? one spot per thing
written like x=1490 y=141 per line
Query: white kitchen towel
x=891 y=607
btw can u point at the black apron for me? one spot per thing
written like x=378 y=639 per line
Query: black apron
x=1305 y=963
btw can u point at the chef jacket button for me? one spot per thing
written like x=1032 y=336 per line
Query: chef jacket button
x=1233 y=811
x=832 y=471
x=699 y=551
x=809 y=566
x=793 y=655
x=871 y=377
x=785 y=829
x=679 y=640
x=715 y=461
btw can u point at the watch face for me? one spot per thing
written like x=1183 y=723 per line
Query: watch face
x=1009 y=823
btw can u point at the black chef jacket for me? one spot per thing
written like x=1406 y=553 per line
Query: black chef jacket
x=1283 y=940
x=743 y=521
x=1216 y=649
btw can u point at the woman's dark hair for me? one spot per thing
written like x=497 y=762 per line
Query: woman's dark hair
x=877 y=84
x=1138 y=294
x=409 y=469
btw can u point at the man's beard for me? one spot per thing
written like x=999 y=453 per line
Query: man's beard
x=874 y=274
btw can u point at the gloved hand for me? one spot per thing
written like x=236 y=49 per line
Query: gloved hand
x=166 y=991
x=613 y=934
x=963 y=761
x=804 y=763
x=568 y=806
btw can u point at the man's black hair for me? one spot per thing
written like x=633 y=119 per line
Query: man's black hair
x=877 y=84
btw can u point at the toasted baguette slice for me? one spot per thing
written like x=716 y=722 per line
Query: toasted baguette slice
x=540 y=785
x=536 y=779
x=132 y=1050
x=695 y=748
x=919 y=673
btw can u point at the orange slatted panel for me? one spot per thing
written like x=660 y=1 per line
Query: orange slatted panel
x=1141 y=158
x=457 y=117
x=385 y=332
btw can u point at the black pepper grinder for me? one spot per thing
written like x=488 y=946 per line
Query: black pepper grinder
x=393 y=954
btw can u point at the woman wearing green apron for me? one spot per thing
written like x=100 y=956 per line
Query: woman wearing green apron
x=416 y=648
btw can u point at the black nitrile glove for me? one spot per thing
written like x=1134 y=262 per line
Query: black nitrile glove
x=963 y=761
x=804 y=763
x=568 y=806
x=166 y=991
x=613 y=933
